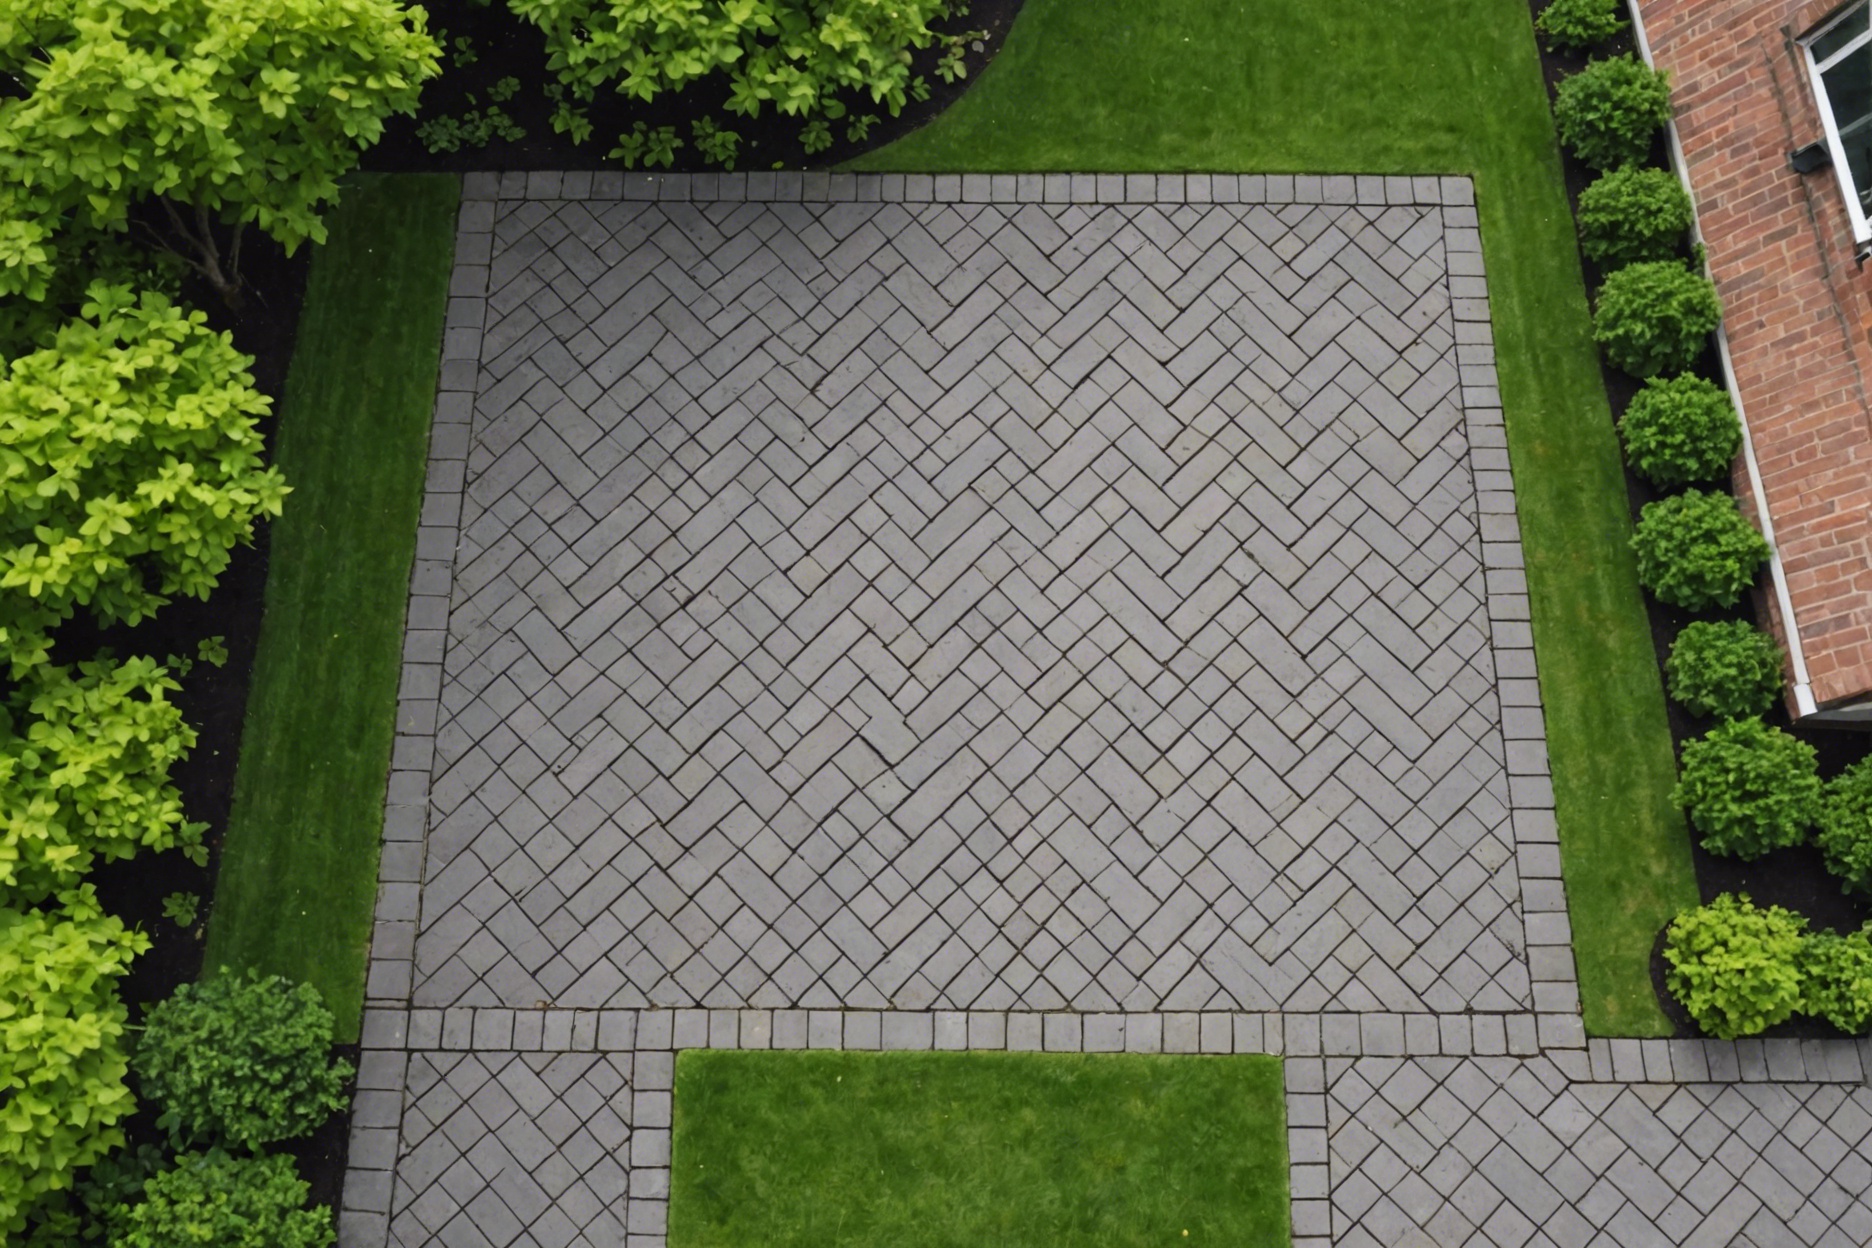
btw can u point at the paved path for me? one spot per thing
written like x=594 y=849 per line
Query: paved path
x=1072 y=613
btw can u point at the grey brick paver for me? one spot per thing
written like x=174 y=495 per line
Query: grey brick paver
x=1013 y=613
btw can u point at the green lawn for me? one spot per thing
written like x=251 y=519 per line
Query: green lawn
x=299 y=870
x=1449 y=86
x=1013 y=1150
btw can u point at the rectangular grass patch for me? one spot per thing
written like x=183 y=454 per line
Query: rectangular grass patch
x=298 y=870
x=1015 y=1150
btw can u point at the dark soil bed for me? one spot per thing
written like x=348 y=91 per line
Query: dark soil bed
x=504 y=46
x=1794 y=878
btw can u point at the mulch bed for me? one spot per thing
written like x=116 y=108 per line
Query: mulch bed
x=1794 y=878
x=214 y=700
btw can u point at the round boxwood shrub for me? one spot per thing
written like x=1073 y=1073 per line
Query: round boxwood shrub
x=1729 y=669
x=1696 y=551
x=1844 y=829
x=240 y=1060
x=1631 y=215
x=1579 y=23
x=1735 y=966
x=1837 y=979
x=1749 y=788
x=1681 y=430
x=217 y=1201
x=1654 y=317
x=1609 y=111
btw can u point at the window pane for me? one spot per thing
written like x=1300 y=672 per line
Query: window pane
x=1841 y=35
x=1849 y=92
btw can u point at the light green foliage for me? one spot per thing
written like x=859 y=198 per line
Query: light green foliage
x=84 y=773
x=646 y=147
x=1844 y=830
x=237 y=111
x=181 y=908
x=1749 y=788
x=464 y=53
x=130 y=466
x=858 y=129
x=1632 y=215
x=475 y=128
x=1729 y=669
x=1837 y=971
x=1736 y=966
x=570 y=120
x=815 y=136
x=61 y=1060
x=1609 y=111
x=793 y=54
x=716 y=145
x=504 y=90
x=240 y=1059
x=212 y=650
x=1655 y=317
x=1696 y=551
x=217 y=1201
x=95 y=1205
x=1580 y=23
x=1681 y=430
x=950 y=67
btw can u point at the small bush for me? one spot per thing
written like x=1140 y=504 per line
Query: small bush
x=241 y=1060
x=62 y=1065
x=1837 y=975
x=217 y=1201
x=1696 y=551
x=1845 y=826
x=1609 y=111
x=1633 y=215
x=1730 y=670
x=1681 y=430
x=1653 y=318
x=1579 y=23
x=1735 y=966
x=1749 y=788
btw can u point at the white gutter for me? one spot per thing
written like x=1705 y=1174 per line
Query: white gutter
x=1803 y=688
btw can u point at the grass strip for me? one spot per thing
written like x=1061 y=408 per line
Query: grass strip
x=1428 y=86
x=298 y=871
x=1020 y=1150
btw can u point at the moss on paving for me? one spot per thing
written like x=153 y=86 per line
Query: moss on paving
x=1427 y=86
x=299 y=870
x=1018 y=1150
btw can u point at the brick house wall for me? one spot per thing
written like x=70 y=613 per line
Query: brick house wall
x=1798 y=306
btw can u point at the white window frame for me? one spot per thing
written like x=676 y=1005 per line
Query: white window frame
x=1849 y=191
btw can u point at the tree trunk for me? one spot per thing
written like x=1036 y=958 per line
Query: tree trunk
x=204 y=255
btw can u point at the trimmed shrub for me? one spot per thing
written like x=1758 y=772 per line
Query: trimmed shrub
x=1696 y=551
x=62 y=1066
x=1609 y=111
x=1654 y=318
x=1844 y=829
x=1749 y=788
x=217 y=1201
x=1837 y=975
x=1730 y=670
x=1735 y=966
x=1632 y=215
x=241 y=1060
x=1580 y=23
x=1681 y=430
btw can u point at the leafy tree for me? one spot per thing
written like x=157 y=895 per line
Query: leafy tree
x=84 y=772
x=1735 y=965
x=218 y=112
x=1681 y=429
x=1729 y=669
x=62 y=1065
x=1844 y=826
x=1632 y=215
x=1609 y=111
x=795 y=54
x=1695 y=550
x=130 y=467
x=1749 y=788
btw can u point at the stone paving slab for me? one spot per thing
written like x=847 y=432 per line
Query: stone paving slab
x=992 y=606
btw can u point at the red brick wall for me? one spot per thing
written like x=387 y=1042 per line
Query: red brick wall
x=1796 y=305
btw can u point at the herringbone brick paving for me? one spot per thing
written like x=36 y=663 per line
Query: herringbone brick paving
x=838 y=558
x=963 y=606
